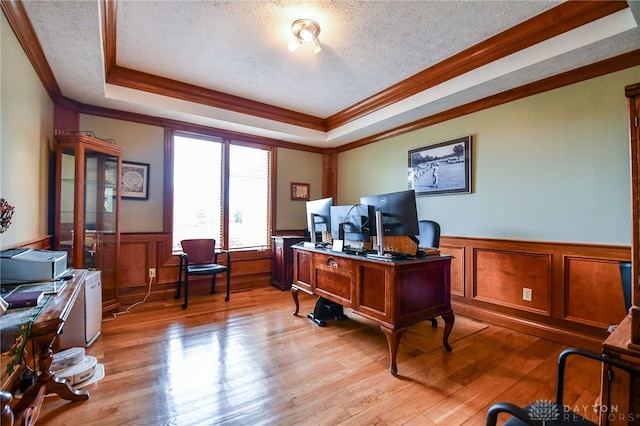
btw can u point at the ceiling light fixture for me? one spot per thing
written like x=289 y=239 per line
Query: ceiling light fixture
x=305 y=30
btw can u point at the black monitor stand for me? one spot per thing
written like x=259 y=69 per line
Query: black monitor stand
x=326 y=310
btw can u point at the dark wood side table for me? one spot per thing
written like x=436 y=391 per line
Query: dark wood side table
x=43 y=333
x=620 y=390
x=282 y=260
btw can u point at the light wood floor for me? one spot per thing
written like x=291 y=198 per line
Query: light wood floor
x=249 y=361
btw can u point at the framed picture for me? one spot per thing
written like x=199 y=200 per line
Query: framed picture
x=135 y=180
x=443 y=168
x=299 y=191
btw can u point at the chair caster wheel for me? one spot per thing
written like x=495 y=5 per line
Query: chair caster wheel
x=184 y=306
x=226 y=299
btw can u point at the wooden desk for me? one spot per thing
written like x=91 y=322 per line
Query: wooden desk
x=43 y=333
x=393 y=294
x=621 y=395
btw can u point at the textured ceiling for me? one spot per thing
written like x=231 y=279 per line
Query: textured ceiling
x=240 y=48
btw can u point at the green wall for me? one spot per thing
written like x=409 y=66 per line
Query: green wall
x=302 y=167
x=143 y=144
x=550 y=167
x=26 y=123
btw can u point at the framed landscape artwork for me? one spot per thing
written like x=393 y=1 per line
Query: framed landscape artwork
x=443 y=168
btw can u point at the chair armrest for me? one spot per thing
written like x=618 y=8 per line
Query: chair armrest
x=227 y=255
x=507 y=407
x=562 y=361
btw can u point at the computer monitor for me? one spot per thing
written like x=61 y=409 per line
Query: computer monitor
x=399 y=212
x=354 y=223
x=319 y=218
x=396 y=214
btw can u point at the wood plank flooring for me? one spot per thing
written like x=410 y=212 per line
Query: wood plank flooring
x=249 y=361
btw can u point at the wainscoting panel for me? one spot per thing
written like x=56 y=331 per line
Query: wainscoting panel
x=457 y=268
x=502 y=276
x=135 y=266
x=141 y=251
x=591 y=299
x=576 y=288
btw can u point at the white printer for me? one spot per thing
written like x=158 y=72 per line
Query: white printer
x=31 y=265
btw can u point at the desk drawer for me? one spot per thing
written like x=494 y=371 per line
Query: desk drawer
x=333 y=276
x=334 y=262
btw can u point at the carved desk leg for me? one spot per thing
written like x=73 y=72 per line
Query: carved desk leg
x=47 y=381
x=393 y=339
x=7 y=414
x=294 y=294
x=449 y=319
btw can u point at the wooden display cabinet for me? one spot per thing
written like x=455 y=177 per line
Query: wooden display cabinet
x=87 y=206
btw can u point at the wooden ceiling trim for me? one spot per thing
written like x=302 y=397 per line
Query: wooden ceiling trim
x=17 y=16
x=109 y=9
x=597 y=69
x=182 y=126
x=563 y=18
x=138 y=80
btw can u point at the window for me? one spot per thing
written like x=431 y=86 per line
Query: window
x=199 y=192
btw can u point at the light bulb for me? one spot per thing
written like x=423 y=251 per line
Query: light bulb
x=306 y=35
x=293 y=46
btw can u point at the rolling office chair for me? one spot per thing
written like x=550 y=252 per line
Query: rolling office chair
x=429 y=234
x=200 y=257
x=548 y=413
x=429 y=237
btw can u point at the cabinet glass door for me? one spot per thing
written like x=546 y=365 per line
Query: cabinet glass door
x=87 y=226
x=99 y=239
x=67 y=206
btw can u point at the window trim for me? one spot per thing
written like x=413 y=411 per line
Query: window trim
x=226 y=141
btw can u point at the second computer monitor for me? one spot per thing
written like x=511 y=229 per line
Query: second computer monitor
x=399 y=212
x=353 y=223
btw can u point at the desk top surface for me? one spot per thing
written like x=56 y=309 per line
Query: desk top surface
x=620 y=339
x=362 y=257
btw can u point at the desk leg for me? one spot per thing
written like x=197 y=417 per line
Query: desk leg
x=393 y=339
x=47 y=382
x=6 y=413
x=294 y=294
x=449 y=319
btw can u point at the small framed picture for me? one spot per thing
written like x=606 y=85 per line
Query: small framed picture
x=135 y=180
x=299 y=191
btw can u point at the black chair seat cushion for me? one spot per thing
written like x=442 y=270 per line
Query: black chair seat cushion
x=208 y=269
x=559 y=418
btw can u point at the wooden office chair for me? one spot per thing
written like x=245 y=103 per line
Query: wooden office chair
x=549 y=413
x=200 y=257
x=429 y=237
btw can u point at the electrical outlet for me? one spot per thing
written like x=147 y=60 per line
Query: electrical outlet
x=152 y=272
x=527 y=294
